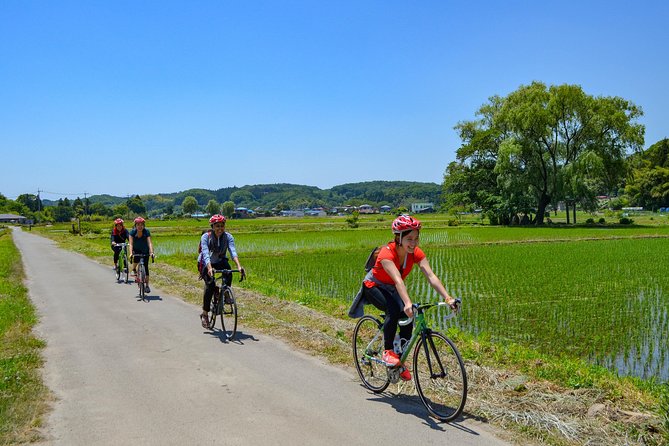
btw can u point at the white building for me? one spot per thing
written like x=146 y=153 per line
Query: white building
x=417 y=208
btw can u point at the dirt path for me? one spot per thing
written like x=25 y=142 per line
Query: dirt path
x=125 y=371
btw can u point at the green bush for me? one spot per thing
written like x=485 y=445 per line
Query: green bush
x=602 y=221
x=590 y=221
x=626 y=221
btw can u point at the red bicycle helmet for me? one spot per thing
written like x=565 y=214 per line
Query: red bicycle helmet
x=118 y=221
x=405 y=223
x=218 y=218
x=139 y=220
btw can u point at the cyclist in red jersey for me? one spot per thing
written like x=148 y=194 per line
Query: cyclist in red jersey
x=384 y=285
x=119 y=234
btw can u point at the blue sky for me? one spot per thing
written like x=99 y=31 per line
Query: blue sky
x=135 y=97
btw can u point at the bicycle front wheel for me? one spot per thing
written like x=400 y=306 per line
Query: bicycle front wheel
x=141 y=280
x=229 y=313
x=125 y=269
x=441 y=379
x=367 y=351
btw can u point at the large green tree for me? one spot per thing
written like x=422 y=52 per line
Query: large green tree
x=542 y=145
x=213 y=207
x=648 y=183
x=189 y=205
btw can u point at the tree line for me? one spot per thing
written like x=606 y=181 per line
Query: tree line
x=266 y=199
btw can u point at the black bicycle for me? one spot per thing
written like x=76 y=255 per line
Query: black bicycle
x=140 y=278
x=223 y=303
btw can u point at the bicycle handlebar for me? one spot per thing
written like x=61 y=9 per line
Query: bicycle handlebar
x=418 y=307
x=153 y=256
x=230 y=271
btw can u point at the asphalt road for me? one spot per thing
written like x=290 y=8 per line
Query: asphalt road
x=128 y=372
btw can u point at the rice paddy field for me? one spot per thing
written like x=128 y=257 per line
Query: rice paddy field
x=600 y=293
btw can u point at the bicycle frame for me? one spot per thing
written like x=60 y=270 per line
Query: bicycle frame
x=420 y=329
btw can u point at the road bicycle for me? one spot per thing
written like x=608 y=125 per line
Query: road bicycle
x=439 y=372
x=223 y=303
x=122 y=264
x=140 y=277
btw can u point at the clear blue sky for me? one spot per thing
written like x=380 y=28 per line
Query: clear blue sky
x=135 y=97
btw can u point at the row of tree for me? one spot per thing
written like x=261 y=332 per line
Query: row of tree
x=266 y=197
x=540 y=146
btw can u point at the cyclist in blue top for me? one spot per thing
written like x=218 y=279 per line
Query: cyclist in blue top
x=140 y=243
x=214 y=245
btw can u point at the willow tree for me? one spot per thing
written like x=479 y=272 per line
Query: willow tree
x=547 y=144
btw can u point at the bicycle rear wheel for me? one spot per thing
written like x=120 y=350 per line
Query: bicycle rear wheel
x=441 y=379
x=229 y=313
x=367 y=351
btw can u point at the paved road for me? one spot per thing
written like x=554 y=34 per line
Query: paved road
x=127 y=372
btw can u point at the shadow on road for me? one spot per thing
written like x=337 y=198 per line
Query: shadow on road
x=149 y=298
x=240 y=336
x=412 y=405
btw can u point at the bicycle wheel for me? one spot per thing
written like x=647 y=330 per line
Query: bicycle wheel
x=441 y=379
x=141 y=280
x=367 y=351
x=229 y=313
x=215 y=309
x=125 y=269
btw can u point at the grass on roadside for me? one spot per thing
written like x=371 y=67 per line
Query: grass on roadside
x=23 y=396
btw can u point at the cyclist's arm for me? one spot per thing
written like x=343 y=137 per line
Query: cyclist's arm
x=434 y=281
x=130 y=241
x=394 y=274
x=148 y=239
x=206 y=255
x=233 y=250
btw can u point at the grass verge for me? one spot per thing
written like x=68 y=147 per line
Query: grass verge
x=23 y=396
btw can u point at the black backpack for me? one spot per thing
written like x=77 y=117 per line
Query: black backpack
x=371 y=260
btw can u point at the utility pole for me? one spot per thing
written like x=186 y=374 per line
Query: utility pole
x=39 y=203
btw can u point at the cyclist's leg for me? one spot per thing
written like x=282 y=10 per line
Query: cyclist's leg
x=393 y=313
x=146 y=271
x=225 y=264
x=209 y=287
x=135 y=262
x=117 y=251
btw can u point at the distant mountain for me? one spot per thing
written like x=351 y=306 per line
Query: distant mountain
x=293 y=196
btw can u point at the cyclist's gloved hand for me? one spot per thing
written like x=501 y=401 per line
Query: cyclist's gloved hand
x=242 y=276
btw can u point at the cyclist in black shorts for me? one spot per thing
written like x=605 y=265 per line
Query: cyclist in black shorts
x=140 y=243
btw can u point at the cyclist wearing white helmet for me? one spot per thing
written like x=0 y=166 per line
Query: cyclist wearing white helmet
x=140 y=243
x=384 y=285
x=214 y=245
